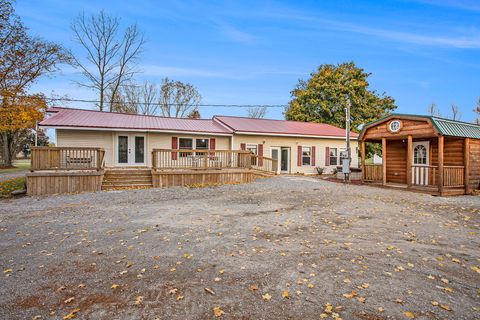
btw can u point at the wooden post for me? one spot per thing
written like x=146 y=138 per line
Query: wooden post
x=384 y=161
x=205 y=156
x=409 y=161
x=362 y=150
x=440 y=164
x=466 y=164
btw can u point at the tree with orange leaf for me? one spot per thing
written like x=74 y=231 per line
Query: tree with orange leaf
x=23 y=60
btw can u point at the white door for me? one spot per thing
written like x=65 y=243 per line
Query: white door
x=420 y=162
x=130 y=149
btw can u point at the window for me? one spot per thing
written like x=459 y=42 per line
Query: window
x=306 y=156
x=395 y=126
x=185 y=143
x=333 y=157
x=253 y=148
x=420 y=155
x=201 y=144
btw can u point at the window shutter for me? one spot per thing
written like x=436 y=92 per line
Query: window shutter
x=174 y=146
x=327 y=156
x=313 y=155
x=212 y=147
x=212 y=143
x=299 y=156
x=260 y=155
x=243 y=146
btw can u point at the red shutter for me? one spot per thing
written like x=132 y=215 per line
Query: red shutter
x=212 y=147
x=260 y=155
x=327 y=156
x=313 y=155
x=174 y=146
x=243 y=146
x=299 y=156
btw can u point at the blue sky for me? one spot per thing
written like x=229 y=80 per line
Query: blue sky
x=254 y=52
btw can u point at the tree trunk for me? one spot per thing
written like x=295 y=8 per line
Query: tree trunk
x=6 y=152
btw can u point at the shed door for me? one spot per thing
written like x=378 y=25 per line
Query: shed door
x=421 y=162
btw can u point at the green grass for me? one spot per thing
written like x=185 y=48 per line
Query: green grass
x=20 y=165
x=7 y=186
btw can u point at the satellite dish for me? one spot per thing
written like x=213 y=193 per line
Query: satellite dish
x=360 y=126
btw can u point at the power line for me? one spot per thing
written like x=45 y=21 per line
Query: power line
x=215 y=105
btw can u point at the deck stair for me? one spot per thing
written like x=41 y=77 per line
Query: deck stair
x=115 y=179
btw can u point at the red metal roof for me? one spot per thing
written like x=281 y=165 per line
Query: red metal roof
x=81 y=118
x=268 y=126
x=67 y=117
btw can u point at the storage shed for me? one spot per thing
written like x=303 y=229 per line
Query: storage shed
x=424 y=153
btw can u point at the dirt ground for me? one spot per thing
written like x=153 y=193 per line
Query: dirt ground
x=279 y=248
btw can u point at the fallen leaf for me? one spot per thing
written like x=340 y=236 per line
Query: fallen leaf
x=114 y=286
x=285 y=294
x=72 y=314
x=218 y=312
x=266 y=297
x=350 y=295
x=69 y=300
x=409 y=315
x=445 y=307
x=253 y=287
x=210 y=291
x=138 y=300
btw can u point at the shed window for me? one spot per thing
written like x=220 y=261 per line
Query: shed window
x=306 y=156
x=185 y=143
x=253 y=148
x=420 y=155
x=333 y=156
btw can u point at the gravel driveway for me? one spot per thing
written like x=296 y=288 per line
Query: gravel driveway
x=280 y=248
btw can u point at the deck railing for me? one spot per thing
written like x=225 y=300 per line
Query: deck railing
x=373 y=172
x=200 y=159
x=424 y=175
x=453 y=176
x=67 y=158
x=264 y=164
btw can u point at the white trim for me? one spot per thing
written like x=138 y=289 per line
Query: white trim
x=310 y=156
x=194 y=142
x=291 y=135
x=138 y=130
x=200 y=132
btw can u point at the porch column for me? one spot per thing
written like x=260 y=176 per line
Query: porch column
x=440 y=164
x=466 y=164
x=409 y=161
x=384 y=161
x=362 y=150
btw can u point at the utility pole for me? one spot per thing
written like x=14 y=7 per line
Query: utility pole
x=348 y=159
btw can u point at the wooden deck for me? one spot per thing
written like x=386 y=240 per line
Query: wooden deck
x=57 y=170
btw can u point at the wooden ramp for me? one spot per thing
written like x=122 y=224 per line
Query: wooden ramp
x=115 y=179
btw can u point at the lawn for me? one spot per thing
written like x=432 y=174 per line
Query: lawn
x=7 y=186
x=19 y=165
x=288 y=247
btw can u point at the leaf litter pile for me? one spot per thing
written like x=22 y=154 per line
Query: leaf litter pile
x=279 y=248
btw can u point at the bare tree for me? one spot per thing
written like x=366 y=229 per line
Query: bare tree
x=138 y=99
x=178 y=99
x=112 y=54
x=456 y=114
x=433 y=110
x=194 y=114
x=257 y=112
x=477 y=111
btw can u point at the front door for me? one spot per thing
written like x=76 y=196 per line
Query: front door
x=275 y=154
x=131 y=149
x=285 y=160
x=420 y=162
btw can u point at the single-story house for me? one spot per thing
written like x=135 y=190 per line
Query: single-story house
x=424 y=153
x=128 y=140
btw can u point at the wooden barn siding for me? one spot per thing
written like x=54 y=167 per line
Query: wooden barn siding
x=475 y=163
x=182 y=178
x=396 y=161
x=453 y=151
x=44 y=183
x=410 y=127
